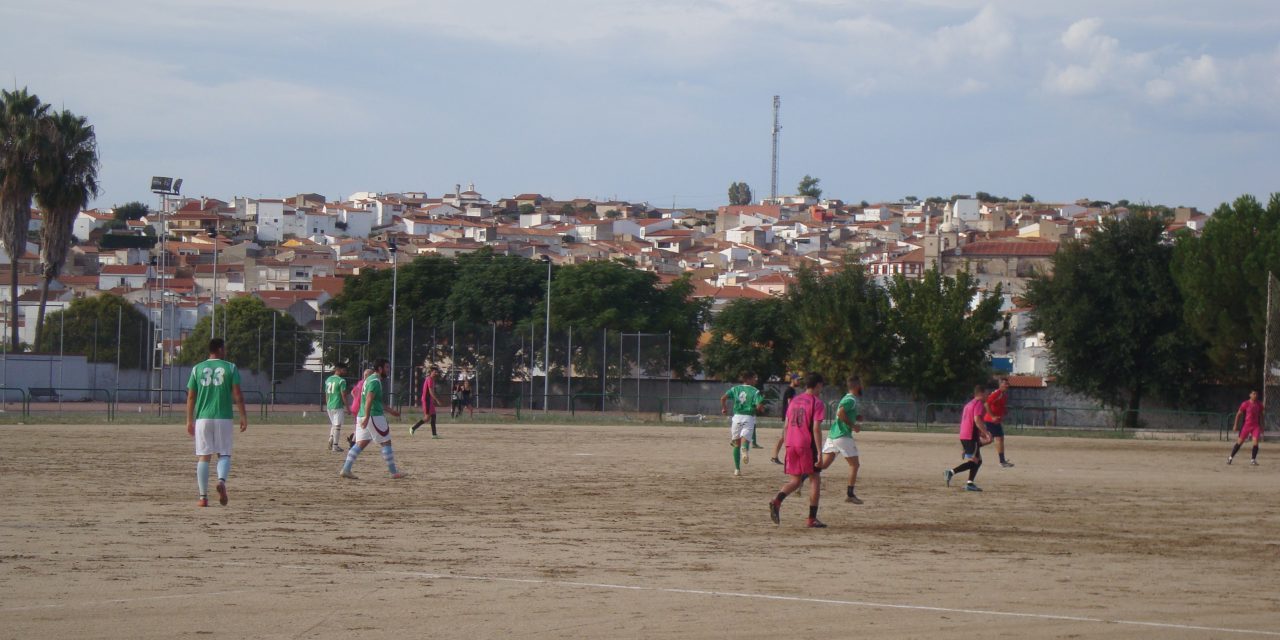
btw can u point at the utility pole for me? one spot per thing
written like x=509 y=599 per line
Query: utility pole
x=773 y=181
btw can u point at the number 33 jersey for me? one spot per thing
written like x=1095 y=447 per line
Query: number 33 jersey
x=212 y=381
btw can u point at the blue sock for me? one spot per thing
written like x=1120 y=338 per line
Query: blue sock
x=390 y=457
x=351 y=458
x=224 y=468
x=202 y=477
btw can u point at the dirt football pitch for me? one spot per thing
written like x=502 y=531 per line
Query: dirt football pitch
x=514 y=531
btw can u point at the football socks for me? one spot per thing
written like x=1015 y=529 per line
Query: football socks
x=202 y=477
x=352 y=454
x=390 y=457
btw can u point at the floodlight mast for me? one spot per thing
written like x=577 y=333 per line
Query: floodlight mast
x=164 y=187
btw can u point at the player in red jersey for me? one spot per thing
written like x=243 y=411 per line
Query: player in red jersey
x=1251 y=410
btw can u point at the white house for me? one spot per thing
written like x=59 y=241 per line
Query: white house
x=878 y=213
x=317 y=223
x=967 y=209
x=359 y=222
x=277 y=220
x=131 y=276
x=87 y=222
x=384 y=210
x=536 y=219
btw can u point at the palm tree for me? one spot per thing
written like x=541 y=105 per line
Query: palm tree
x=22 y=120
x=66 y=180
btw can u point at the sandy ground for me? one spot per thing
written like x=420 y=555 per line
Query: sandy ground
x=598 y=532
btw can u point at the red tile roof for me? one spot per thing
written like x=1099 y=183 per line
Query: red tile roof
x=1016 y=249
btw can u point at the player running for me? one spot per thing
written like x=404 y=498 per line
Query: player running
x=787 y=396
x=746 y=404
x=972 y=433
x=210 y=389
x=840 y=438
x=996 y=409
x=803 y=432
x=429 y=402
x=355 y=407
x=335 y=394
x=371 y=423
x=1251 y=411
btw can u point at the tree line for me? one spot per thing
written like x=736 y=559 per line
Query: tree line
x=1135 y=312
x=927 y=335
x=470 y=306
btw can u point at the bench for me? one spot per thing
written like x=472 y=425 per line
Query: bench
x=43 y=392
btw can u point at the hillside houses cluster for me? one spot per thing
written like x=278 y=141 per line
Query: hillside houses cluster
x=294 y=252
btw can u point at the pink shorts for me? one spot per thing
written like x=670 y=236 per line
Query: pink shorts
x=799 y=461
x=1248 y=432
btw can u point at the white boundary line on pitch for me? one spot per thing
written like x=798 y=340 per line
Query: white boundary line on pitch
x=851 y=603
x=94 y=603
x=763 y=596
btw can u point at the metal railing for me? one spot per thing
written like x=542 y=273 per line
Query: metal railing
x=97 y=399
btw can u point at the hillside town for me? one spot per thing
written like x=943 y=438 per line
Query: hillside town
x=294 y=252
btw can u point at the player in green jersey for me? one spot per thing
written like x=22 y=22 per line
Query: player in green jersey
x=335 y=403
x=840 y=437
x=210 y=389
x=747 y=403
x=371 y=422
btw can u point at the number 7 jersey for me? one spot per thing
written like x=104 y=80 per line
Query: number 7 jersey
x=212 y=381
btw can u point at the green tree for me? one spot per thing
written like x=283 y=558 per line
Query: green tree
x=1111 y=314
x=66 y=179
x=23 y=123
x=567 y=209
x=493 y=288
x=526 y=209
x=941 y=336
x=1027 y=198
x=130 y=211
x=88 y=326
x=809 y=187
x=599 y=295
x=1222 y=275
x=841 y=323
x=248 y=321
x=739 y=193
x=363 y=308
x=750 y=335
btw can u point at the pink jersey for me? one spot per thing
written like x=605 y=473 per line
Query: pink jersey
x=972 y=411
x=355 y=397
x=1252 y=411
x=428 y=407
x=805 y=410
x=802 y=413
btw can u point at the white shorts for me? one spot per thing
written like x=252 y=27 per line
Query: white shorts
x=377 y=430
x=213 y=436
x=336 y=417
x=844 y=446
x=742 y=427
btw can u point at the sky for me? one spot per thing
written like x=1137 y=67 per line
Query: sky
x=665 y=101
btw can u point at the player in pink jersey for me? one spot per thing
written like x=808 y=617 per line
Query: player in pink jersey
x=1251 y=410
x=803 y=437
x=429 y=402
x=972 y=433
